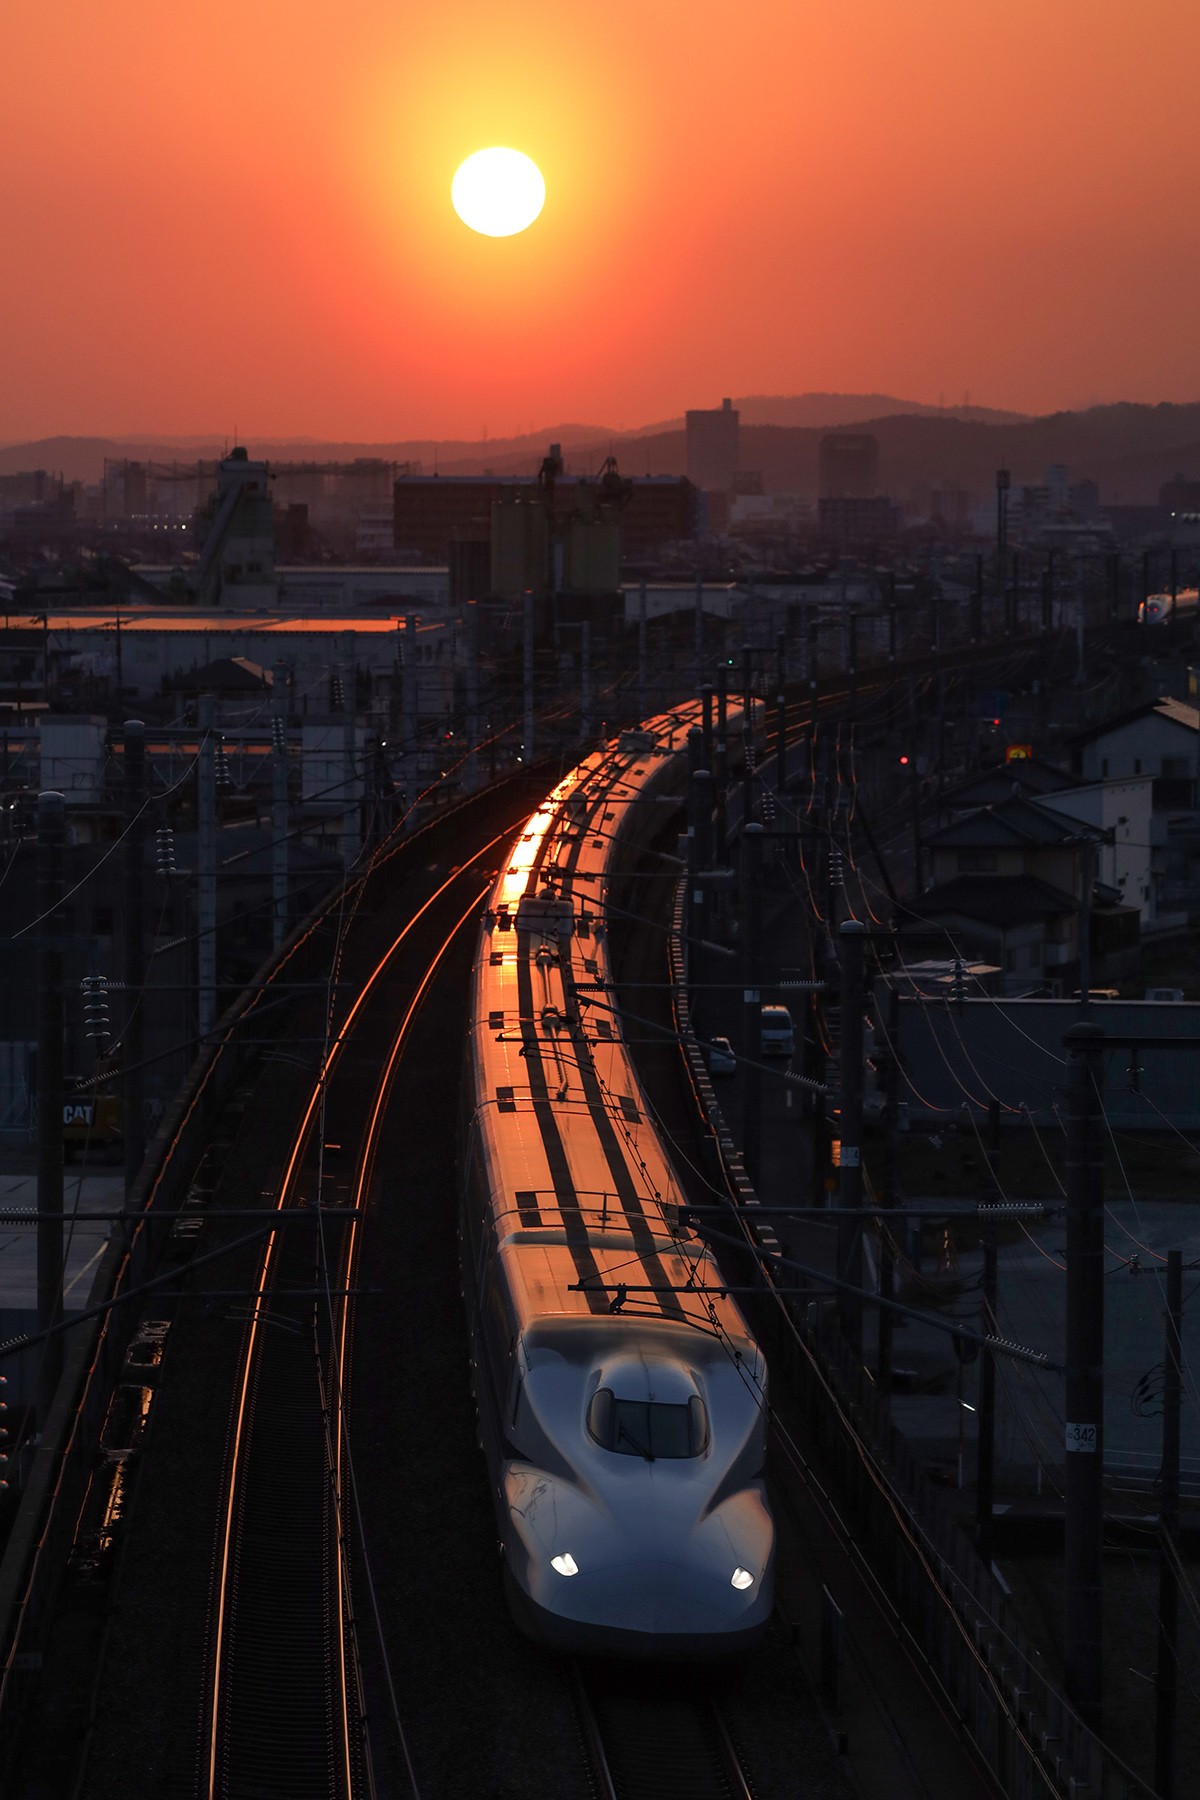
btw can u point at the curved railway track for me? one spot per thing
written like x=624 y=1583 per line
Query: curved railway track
x=283 y=1707
x=282 y=1712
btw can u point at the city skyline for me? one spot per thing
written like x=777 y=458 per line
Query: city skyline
x=244 y=221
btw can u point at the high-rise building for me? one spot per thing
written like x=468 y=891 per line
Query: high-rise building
x=237 y=563
x=848 y=466
x=712 y=448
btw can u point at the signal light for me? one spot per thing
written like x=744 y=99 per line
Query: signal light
x=904 y=762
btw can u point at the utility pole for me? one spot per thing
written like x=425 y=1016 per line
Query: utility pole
x=206 y=870
x=781 y=743
x=721 y=766
x=890 y=1194
x=748 y=770
x=814 y=680
x=914 y=785
x=1085 y=927
x=1167 y=1674
x=641 y=653
x=851 y=945
x=986 y=1445
x=1174 y=582
x=133 y=1081
x=471 y=771
x=1003 y=480
x=585 y=683
x=527 y=679
x=752 y=849
x=699 y=861
x=698 y=633
x=985 y=1461
x=706 y=725
x=51 y=829
x=409 y=677
x=1083 y=1648
x=279 y=806
x=349 y=782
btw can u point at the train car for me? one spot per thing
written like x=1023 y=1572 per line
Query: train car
x=621 y=1395
x=1157 y=609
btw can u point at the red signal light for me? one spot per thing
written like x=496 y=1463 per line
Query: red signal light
x=904 y=762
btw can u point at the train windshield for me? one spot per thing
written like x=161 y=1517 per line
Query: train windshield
x=648 y=1428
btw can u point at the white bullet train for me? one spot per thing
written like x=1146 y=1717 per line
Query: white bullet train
x=1157 y=609
x=622 y=1398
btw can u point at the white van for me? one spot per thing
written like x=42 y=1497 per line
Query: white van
x=778 y=1032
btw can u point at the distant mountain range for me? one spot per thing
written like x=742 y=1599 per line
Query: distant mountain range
x=1130 y=450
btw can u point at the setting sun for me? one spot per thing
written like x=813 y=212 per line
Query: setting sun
x=498 y=192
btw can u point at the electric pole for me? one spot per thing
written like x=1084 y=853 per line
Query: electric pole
x=206 y=870
x=133 y=1083
x=279 y=806
x=752 y=849
x=527 y=679
x=851 y=945
x=1167 y=1675
x=1083 y=1649
x=51 y=828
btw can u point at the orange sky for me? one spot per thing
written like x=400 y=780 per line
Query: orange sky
x=217 y=214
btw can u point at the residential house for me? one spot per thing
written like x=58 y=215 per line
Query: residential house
x=1012 y=883
x=1159 y=740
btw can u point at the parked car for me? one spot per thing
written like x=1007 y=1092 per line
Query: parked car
x=778 y=1032
x=720 y=1057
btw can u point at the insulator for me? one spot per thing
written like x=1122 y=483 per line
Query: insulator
x=221 y=766
x=96 y=1023
x=164 y=850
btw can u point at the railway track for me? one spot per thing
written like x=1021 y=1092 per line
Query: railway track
x=656 y=1734
x=284 y=1710
x=283 y=1714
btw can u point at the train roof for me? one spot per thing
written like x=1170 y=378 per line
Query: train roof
x=584 y=1197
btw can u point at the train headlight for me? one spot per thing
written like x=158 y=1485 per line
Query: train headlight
x=741 y=1578
x=565 y=1564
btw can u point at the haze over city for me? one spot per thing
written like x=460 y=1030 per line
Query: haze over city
x=241 y=218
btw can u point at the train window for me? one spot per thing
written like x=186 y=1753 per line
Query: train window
x=647 y=1427
x=600 y=1414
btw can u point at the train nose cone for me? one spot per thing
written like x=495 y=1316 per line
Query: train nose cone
x=647 y=1596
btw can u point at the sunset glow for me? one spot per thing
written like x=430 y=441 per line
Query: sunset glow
x=227 y=216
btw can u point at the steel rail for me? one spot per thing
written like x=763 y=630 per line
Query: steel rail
x=669 y=1742
x=259 y=1319
x=366 y=1165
